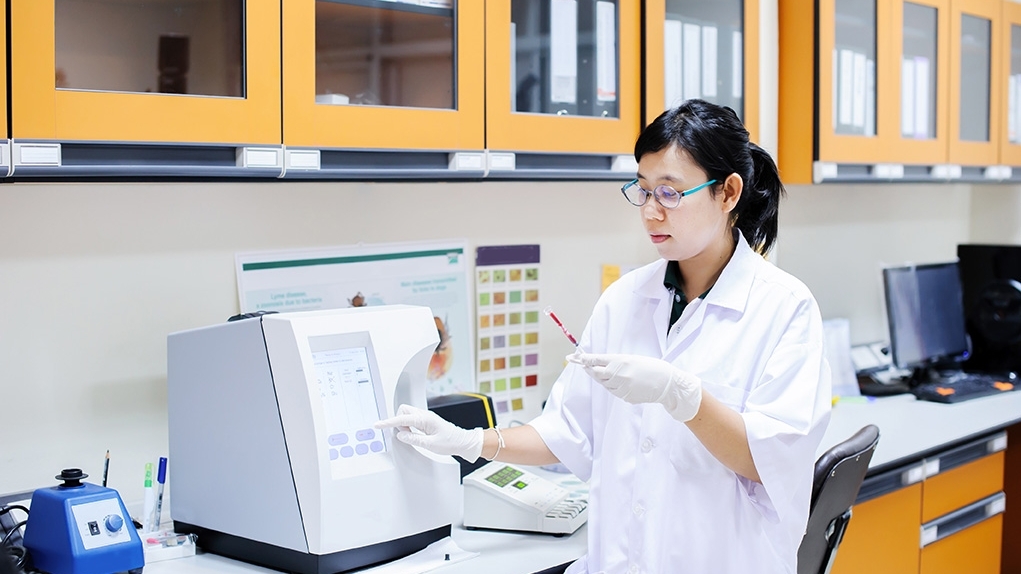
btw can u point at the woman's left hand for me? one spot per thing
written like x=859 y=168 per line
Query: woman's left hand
x=638 y=379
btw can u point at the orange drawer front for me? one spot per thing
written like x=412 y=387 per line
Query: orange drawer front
x=882 y=537
x=975 y=550
x=958 y=487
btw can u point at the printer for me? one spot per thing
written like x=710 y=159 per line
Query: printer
x=276 y=460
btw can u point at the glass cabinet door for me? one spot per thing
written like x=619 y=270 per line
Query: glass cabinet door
x=564 y=67
x=855 y=111
x=384 y=74
x=854 y=68
x=168 y=71
x=4 y=128
x=974 y=69
x=564 y=58
x=706 y=50
x=922 y=28
x=1010 y=138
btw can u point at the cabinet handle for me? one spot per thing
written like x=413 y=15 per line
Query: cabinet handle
x=914 y=474
x=997 y=443
x=962 y=518
x=965 y=453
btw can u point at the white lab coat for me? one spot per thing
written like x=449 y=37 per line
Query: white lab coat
x=659 y=502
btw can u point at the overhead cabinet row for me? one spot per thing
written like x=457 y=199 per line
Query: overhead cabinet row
x=496 y=83
x=868 y=89
x=920 y=89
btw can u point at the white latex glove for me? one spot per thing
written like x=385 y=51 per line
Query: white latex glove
x=638 y=379
x=424 y=428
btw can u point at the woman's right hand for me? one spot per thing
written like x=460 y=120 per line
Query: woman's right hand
x=426 y=429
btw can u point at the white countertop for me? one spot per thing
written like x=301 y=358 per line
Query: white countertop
x=909 y=428
x=499 y=553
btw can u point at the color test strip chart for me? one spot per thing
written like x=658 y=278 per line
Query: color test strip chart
x=507 y=320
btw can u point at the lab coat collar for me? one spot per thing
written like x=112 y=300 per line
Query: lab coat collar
x=734 y=285
x=731 y=289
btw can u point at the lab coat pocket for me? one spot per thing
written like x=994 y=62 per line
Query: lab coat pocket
x=687 y=454
x=689 y=458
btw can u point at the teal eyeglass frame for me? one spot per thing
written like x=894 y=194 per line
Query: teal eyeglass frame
x=664 y=194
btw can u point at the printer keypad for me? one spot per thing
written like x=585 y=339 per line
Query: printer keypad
x=569 y=508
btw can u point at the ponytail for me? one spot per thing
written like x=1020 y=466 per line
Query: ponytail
x=757 y=213
x=718 y=142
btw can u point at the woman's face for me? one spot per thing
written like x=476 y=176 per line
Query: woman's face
x=701 y=222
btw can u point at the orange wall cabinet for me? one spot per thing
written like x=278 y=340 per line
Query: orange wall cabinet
x=843 y=115
x=921 y=83
x=563 y=84
x=377 y=75
x=168 y=72
x=5 y=148
x=943 y=514
x=707 y=50
x=899 y=90
x=1010 y=88
x=975 y=68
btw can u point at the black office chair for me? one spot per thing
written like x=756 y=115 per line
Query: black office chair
x=838 y=476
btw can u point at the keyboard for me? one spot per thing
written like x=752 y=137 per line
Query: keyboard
x=956 y=387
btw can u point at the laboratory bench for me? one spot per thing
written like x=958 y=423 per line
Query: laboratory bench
x=935 y=496
x=915 y=436
x=499 y=553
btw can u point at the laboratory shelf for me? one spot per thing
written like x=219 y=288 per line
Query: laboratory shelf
x=567 y=166
x=359 y=165
x=45 y=159
x=104 y=160
x=828 y=172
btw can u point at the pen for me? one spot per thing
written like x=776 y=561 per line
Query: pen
x=106 y=466
x=149 y=501
x=161 y=479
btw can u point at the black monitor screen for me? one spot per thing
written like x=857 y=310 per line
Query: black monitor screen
x=926 y=314
x=990 y=280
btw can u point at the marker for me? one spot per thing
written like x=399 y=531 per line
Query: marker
x=161 y=479
x=106 y=466
x=150 y=500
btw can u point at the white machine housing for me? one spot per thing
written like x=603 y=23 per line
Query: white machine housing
x=275 y=460
x=501 y=496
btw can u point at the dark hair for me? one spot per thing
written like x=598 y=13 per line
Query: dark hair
x=718 y=142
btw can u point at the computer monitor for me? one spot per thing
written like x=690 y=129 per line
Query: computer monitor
x=926 y=315
x=991 y=284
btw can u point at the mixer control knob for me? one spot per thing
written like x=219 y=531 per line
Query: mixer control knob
x=113 y=522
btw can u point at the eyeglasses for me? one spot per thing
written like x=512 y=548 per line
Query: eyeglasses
x=667 y=196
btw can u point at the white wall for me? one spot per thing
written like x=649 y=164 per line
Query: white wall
x=94 y=276
x=837 y=238
x=996 y=215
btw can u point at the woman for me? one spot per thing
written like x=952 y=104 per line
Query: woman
x=703 y=394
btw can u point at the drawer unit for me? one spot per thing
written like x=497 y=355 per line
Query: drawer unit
x=966 y=540
x=961 y=486
x=882 y=536
x=940 y=514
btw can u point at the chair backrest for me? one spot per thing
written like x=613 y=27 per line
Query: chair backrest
x=838 y=476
